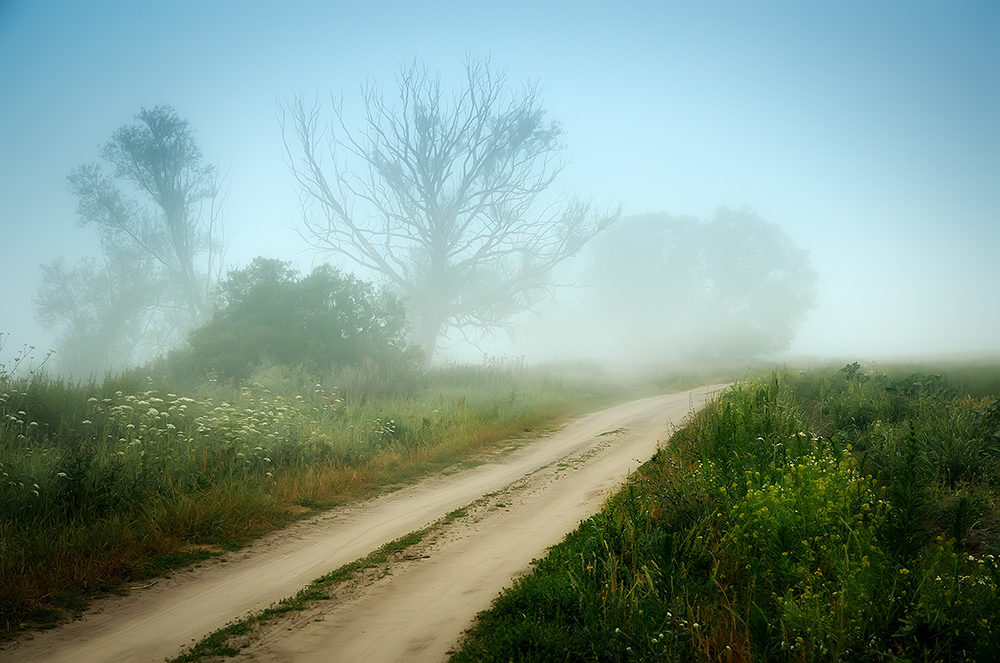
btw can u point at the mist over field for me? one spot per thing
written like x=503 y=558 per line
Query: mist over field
x=265 y=262
x=775 y=180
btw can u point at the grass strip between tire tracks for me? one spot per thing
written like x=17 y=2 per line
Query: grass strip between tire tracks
x=231 y=639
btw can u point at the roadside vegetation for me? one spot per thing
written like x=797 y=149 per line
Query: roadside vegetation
x=837 y=514
x=300 y=393
x=105 y=483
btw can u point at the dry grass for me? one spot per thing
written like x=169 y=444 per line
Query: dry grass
x=103 y=485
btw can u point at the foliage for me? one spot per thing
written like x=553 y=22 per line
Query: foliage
x=230 y=639
x=268 y=315
x=103 y=483
x=755 y=537
x=101 y=311
x=450 y=199
x=157 y=218
x=731 y=286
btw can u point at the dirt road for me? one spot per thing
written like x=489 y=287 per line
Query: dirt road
x=537 y=494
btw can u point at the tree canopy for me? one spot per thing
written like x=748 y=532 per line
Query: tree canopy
x=731 y=286
x=269 y=313
x=157 y=215
x=446 y=196
x=153 y=202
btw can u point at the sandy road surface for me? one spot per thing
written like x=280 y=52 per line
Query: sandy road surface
x=421 y=609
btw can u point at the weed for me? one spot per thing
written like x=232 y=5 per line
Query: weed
x=104 y=483
x=837 y=515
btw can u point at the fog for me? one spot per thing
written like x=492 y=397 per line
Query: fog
x=860 y=141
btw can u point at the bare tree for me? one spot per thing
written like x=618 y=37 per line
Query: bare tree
x=452 y=199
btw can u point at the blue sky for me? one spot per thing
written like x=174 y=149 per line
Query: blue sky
x=869 y=131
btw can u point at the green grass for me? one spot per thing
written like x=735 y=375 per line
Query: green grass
x=841 y=514
x=232 y=638
x=106 y=483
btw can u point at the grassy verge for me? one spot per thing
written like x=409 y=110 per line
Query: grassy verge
x=106 y=483
x=232 y=638
x=843 y=514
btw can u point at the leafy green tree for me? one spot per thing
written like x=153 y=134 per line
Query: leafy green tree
x=157 y=215
x=448 y=197
x=731 y=286
x=268 y=313
x=162 y=200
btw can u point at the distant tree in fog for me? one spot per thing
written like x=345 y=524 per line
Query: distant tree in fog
x=101 y=310
x=731 y=286
x=451 y=198
x=157 y=214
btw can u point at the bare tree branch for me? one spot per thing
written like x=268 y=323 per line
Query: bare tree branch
x=449 y=197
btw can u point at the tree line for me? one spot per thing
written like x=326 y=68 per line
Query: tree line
x=447 y=196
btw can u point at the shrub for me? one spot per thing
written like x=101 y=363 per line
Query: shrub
x=755 y=538
x=269 y=315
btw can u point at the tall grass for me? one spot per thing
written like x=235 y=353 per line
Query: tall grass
x=102 y=483
x=800 y=517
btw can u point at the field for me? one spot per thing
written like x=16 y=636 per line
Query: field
x=103 y=484
x=837 y=514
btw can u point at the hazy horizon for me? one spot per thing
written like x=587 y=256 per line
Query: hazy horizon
x=868 y=133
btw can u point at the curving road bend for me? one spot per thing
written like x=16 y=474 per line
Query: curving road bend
x=420 y=610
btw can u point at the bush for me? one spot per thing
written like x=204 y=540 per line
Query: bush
x=269 y=315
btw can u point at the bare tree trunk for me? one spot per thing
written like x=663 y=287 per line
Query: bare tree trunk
x=430 y=329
